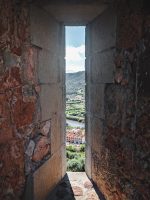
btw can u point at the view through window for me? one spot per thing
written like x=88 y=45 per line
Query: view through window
x=75 y=98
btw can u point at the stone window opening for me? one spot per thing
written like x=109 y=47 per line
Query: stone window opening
x=75 y=97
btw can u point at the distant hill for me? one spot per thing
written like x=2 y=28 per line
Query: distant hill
x=75 y=82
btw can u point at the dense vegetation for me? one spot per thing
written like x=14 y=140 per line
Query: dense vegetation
x=75 y=82
x=75 y=158
x=75 y=96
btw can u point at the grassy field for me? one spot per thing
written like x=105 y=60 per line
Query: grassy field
x=75 y=110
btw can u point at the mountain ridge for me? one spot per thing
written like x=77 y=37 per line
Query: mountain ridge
x=75 y=82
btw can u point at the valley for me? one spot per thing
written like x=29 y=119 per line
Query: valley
x=75 y=96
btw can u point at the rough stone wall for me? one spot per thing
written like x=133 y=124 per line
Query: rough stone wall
x=120 y=151
x=31 y=102
x=17 y=95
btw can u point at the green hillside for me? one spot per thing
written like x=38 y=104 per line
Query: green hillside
x=75 y=82
x=75 y=96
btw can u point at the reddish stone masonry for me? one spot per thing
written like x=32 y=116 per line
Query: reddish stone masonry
x=121 y=169
x=37 y=146
x=18 y=96
x=24 y=139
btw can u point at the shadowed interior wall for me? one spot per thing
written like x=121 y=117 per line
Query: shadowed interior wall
x=100 y=45
x=118 y=80
x=47 y=36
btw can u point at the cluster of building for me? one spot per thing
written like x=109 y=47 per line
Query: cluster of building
x=75 y=136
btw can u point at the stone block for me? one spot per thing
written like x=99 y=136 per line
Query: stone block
x=97 y=100
x=88 y=185
x=102 y=67
x=62 y=69
x=64 y=163
x=44 y=29
x=88 y=135
x=88 y=160
x=38 y=149
x=78 y=191
x=11 y=60
x=63 y=127
x=103 y=31
x=46 y=129
x=97 y=131
x=50 y=100
x=48 y=68
x=30 y=148
x=42 y=149
x=29 y=60
x=56 y=133
x=47 y=176
x=62 y=53
x=23 y=112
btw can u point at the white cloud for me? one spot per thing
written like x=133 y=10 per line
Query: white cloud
x=75 y=58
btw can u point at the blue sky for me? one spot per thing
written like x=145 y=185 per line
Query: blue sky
x=75 y=48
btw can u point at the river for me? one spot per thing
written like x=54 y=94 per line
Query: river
x=75 y=123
